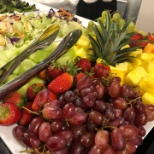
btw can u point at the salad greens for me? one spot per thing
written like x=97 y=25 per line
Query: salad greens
x=16 y=5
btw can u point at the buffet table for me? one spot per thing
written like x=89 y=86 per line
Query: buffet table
x=7 y=139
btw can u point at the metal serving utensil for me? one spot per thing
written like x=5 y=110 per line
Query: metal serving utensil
x=44 y=40
x=18 y=82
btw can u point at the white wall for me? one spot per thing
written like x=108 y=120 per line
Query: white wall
x=145 y=21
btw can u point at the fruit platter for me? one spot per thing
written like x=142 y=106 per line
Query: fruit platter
x=69 y=85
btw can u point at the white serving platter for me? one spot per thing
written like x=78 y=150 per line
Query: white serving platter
x=6 y=131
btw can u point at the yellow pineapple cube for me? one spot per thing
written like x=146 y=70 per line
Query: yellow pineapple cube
x=146 y=56
x=147 y=84
x=151 y=74
x=125 y=66
x=133 y=77
x=119 y=73
x=83 y=42
x=136 y=53
x=148 y=65
x=136 y=62
x=148 y=98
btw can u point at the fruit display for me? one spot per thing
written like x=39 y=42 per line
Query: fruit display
x=97 y=98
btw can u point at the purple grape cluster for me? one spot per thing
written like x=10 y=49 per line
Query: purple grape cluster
x=96 y=116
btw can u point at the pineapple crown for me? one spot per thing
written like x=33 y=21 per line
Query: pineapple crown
x=109 y=38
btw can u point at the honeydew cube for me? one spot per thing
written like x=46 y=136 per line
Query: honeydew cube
x=133 y=77
x=119 y=73
x=146 y=56
x=136 y=62
x=147 y=84
x=83 y=42
x=24 y=66
x=68 y=57
x=125 y=66
x=149 y=65
x=148 y=98
x=23 y=89
x=36 y=80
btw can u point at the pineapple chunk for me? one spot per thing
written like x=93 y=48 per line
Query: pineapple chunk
x=146 y=56
x=136 y=62
x=125 y=66
x=136 y=53
x=119 y=73
x=83 y=42
x=148 y=98
x=133 y=77
x=146 y=84
x=148 y=65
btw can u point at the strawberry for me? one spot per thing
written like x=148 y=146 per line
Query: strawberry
x=137 y=36
x=150 y=37
x=33 y=90
x=84 y=64
x=15 y=98
x=78 y=76
x=101 y=70
x=61 y=83
x=138 y=40
x=9 y=114
x=26 y=116
x=42 y=98
x=54 y=70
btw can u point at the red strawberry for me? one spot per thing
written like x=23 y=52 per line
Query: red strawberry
x=137 y=36
x=42 y=98
x=138 y=40
x=33 y=90
x=101 y=70
x=61 y=83
x=54 y=70
x=26 y=116
x=15 y=98
x=84 y=64
x=150 y=37
x=78 y=76
x=9 y=114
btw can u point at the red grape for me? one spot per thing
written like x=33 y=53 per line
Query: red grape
x=56 y=142
x=117 y=140
x=88 y=139
x=68 y=110
x=102 y=138
x=96 y=117
x=44 y=131
x=18 y=132
x=35 y=124
x=128 y=130
x=52 y=112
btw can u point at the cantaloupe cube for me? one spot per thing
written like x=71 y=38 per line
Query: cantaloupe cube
x=133 y=77
x=125 y=66
x=119 y=73
x=148 y=65
x=149 y=48
x=148 y=98
x=147 y=84
x=146 y=56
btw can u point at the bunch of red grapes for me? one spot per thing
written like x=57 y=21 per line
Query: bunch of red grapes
x=96 y=116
